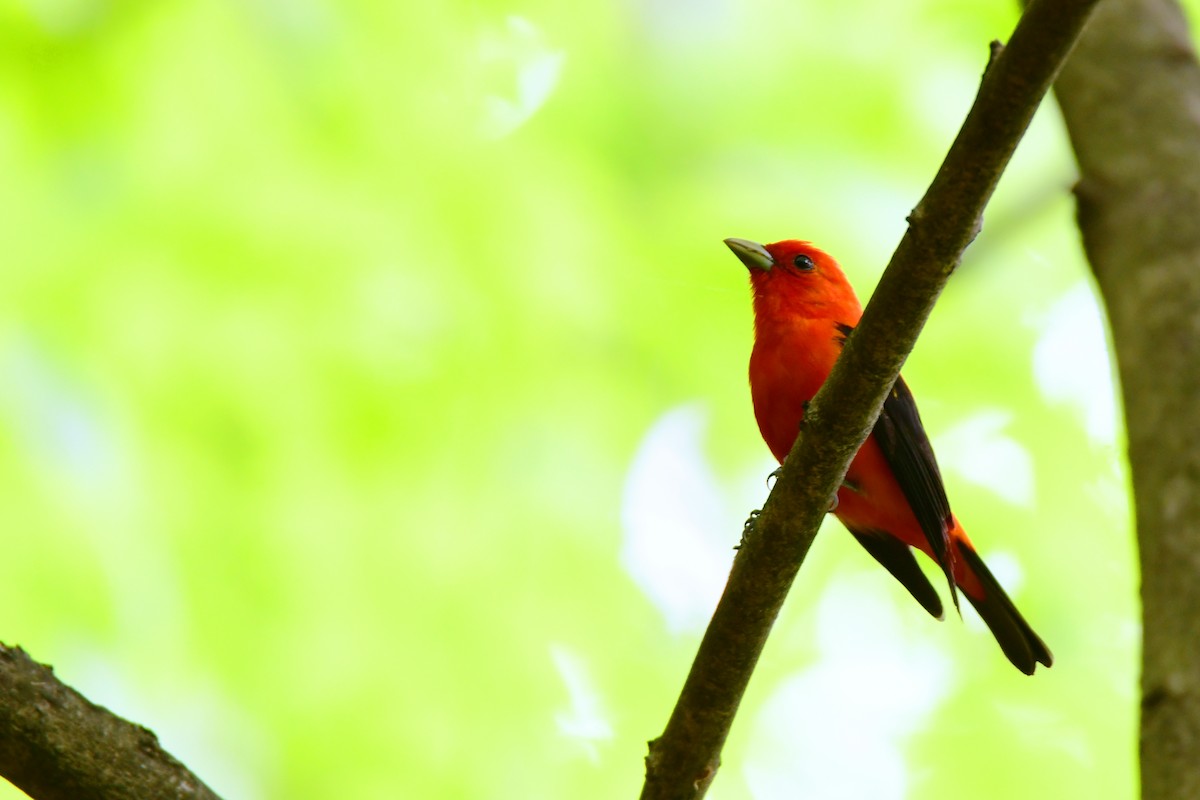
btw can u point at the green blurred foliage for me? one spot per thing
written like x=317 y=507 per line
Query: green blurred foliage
x=331 y=332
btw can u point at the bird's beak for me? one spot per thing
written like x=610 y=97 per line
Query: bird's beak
x=752 y=254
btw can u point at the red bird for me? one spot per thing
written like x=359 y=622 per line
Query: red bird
x=892 y=498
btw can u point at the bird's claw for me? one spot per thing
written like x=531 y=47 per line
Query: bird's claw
x=748 y=527
x=774 y=476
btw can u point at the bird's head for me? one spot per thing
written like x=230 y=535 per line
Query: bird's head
x=795 y=277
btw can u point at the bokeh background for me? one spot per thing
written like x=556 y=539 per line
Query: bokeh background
x=374 y=411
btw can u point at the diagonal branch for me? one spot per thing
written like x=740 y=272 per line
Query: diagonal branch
x=684 y=760
x=56 y=745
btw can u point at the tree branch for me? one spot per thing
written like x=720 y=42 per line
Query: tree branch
x=1129 y=96
x=684 y=760
x=56 y=745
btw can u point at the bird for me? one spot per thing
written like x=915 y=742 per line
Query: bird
x=892 y=499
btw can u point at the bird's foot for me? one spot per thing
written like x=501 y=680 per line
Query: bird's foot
x=774 y=476
x=748 y=527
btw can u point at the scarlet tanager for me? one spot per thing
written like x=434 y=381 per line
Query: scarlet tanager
x=892 y=498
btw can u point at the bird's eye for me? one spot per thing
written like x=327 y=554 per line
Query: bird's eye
x=804 y=263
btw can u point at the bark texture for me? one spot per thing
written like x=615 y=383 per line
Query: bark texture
x=1130 y=95
x=55 y=745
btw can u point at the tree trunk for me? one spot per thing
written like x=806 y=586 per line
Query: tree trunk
x=1130 y=95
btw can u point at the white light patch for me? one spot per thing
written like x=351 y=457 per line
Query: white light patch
x=582 y=720
x=67 y=435
x=1071 y=362
x=873 y=687
x=520 y=59
x=978 y=449
x=676 y=546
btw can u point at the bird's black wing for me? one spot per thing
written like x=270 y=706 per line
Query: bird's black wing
x=905 y=445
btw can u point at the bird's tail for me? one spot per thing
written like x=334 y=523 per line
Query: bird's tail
x=1018 y=641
